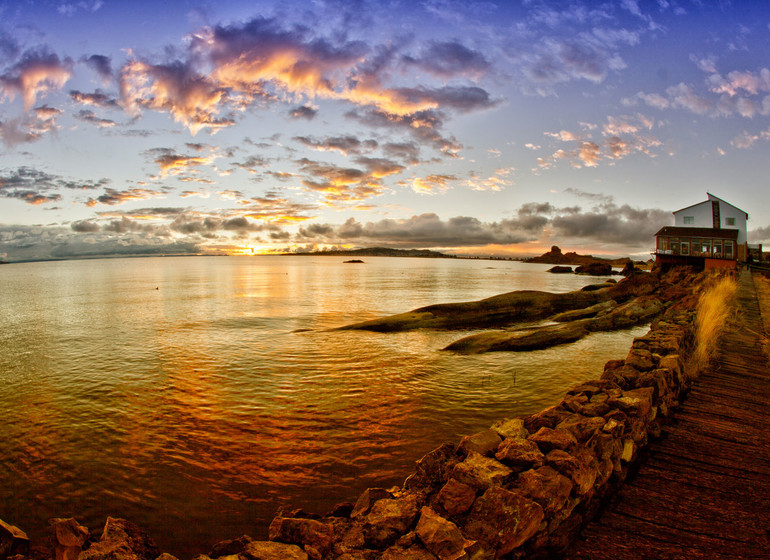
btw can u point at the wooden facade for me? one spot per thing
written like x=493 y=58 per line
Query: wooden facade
x=697 y=246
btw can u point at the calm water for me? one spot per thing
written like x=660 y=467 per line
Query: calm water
x=174 y=392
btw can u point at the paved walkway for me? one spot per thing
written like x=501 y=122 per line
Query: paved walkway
x=704 y=491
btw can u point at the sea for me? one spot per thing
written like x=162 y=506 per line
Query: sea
x=196 y=396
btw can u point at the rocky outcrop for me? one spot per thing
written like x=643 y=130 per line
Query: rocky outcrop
x=524 y=306
x=555 y=256
x=500 y=310
x=595 y=269
x=607 y=316
x=560 y=269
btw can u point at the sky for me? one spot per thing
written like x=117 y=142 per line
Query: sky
x=470 y=127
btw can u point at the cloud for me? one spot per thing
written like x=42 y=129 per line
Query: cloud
x=424 y=230
x=450 y=59
x=496 y=182
x=90 y=117
x=431 y=184
x=345 y=145
x=85 y=226
x=177 y=88
x=172 y=163
x=97 y=99
x=37 y=73
x=34 y=186
x=70 y=8
x=303 y=112
x=760 y=235
x=112 y=197
x=100 y=64
x=32 y=126
x=622 y=136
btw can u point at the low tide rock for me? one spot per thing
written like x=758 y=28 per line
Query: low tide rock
x=121 y=540
x=69 y=536
x=455 y=497
x=521 y=454
x=558 y=269
x=502 y=520
x=389 y=519
x=13 y=541
x=440 y=536
x=481 y=472
x=269 y=550
x=483 y=443
x=547 y=487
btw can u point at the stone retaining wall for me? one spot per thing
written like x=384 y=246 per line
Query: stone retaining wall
x=521 y=489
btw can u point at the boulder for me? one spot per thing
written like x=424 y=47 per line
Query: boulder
x=303 y=532
x=68 y=538
x=521 y=454
x=580 y=467
x=440 y=536
x=560 y=269
x=434 y=468
x=406 y=553
x=480 y=472
x=230 y=547
x=502 y=520
x=595 y=269
x=455 y=498
x=511 y=428
x=367 y=499
x=583 y=427
x=484 y=443
x=389 y=519
x=548 y=439
x=121 y=540
x=548 y=418
x=13 y=541
x=269 y=550
x=590 y=311
x=545 y=486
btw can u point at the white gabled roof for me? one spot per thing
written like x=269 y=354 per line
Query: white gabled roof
x=710 y=198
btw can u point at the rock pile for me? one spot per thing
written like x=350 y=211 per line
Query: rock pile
x=520 y=489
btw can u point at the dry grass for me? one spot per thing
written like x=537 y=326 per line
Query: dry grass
x=762 y=286
x=713 y=314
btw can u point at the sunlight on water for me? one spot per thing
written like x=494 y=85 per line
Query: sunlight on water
x=178 y=393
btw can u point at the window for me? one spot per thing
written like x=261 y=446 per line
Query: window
x=728 y=249
x=689 y=220
x=729 y=221
x=717 y=249
x=706 y=246
x=685 y=248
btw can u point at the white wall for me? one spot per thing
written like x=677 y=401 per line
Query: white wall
x=703 y=217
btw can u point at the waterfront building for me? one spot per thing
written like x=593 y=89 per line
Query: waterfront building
x=710 y=234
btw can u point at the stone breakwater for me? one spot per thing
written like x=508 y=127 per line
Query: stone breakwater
x=520 y=489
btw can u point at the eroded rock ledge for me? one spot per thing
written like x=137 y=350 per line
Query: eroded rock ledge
x=521 y=489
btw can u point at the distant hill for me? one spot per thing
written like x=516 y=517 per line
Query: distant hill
x=555 y=256
x=378 y=252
